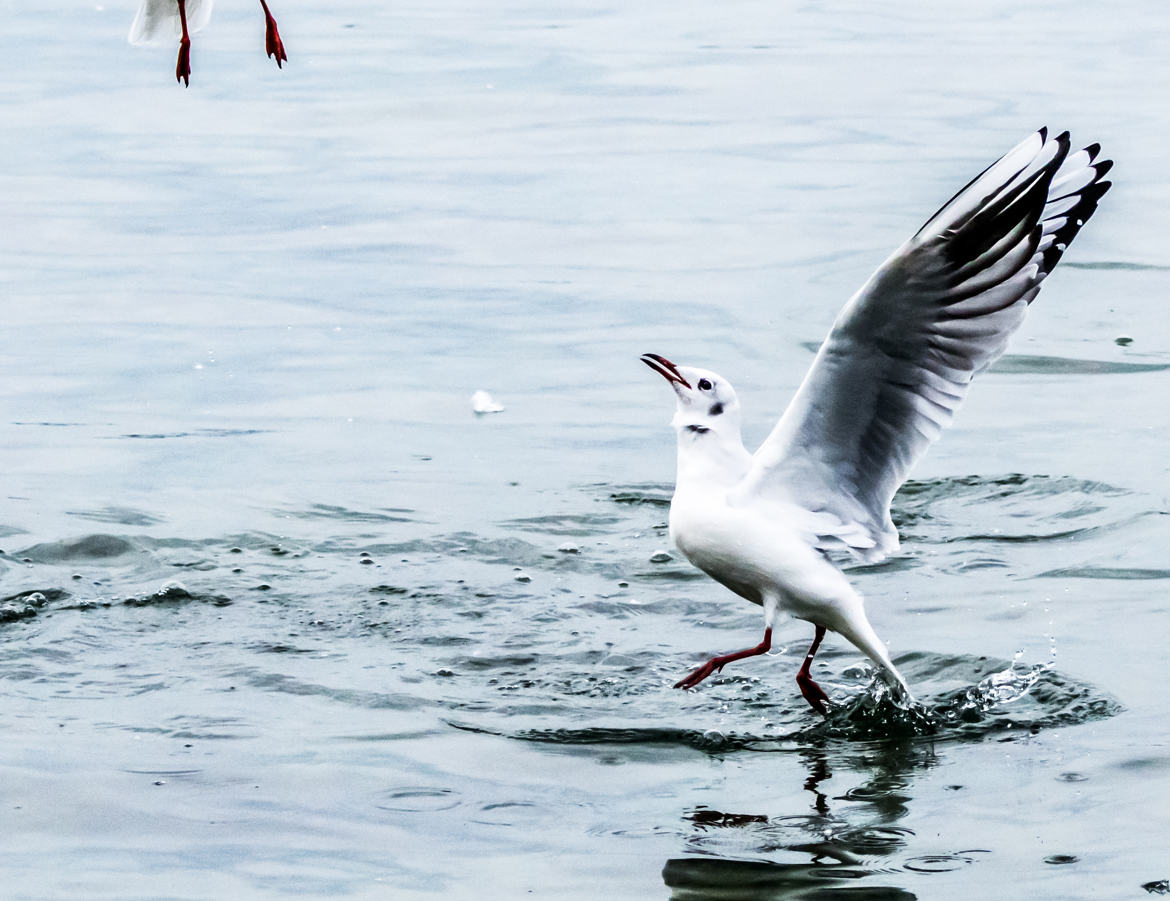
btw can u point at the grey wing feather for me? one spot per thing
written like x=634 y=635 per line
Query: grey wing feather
x=901 y=355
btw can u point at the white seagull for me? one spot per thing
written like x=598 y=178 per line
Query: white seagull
x=889 y=377
x=160 y=18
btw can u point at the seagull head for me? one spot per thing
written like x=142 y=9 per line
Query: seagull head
x=707 y=404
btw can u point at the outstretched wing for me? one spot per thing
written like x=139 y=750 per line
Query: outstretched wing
x=903 y=351
x=159 y=19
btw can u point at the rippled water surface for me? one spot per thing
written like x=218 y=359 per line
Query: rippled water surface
x=280 y=616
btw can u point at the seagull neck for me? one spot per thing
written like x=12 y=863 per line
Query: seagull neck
x=711 y=458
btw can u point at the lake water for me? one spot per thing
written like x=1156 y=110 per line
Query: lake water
x=283 y=617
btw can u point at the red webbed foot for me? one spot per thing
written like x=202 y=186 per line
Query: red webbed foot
x=183 y=66
x=715 y=664
x=273 y=45
x=699 y=675
x=813 y=693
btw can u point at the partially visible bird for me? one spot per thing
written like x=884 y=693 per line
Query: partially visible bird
x=889 y=377
x=182 y=17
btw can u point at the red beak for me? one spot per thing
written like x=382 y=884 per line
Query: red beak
x=664 y=368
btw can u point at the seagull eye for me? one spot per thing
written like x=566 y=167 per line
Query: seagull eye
x=704 y=385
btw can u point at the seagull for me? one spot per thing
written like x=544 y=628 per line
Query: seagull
x=888 y=378
x=181 y=17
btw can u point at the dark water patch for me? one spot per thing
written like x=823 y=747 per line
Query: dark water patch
x=37 y=596
x=10 y=613
x=1025 y=538
x=1146 y=763
x=345 y=514
x=712 y=878
x=267 y=647
x=1105 y=572
x=174 y=593
x=89 y=547
x=52 y=425
x=403 y=735
x=669 y=575
x=704 y=817
x=711 y=741
x=27 y=604
x=1021 y=364
x=653 y=494
x=195 y=433
x=209 y=728
x=1116 y=265
x=122 y=516
x=900 y=562
x=565 y=525
x=285 y=684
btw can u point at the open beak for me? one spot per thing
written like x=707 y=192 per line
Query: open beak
x=665 y=368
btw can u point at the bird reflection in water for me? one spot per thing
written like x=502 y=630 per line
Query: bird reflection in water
x=810 y=856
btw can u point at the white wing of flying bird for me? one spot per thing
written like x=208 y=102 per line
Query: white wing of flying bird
x=886 y=381
x=901 y=355
x=159 y=20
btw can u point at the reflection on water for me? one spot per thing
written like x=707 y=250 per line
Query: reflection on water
x=716 y=879
x=835 y=850
x=847 y=846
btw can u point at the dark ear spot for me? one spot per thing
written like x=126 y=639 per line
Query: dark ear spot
x=716 y=409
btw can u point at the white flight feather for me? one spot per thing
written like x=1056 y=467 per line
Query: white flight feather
x=159 y=20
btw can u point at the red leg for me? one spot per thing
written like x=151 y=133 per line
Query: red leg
x=273 y=45
x=183 y=66
x=813 y=693
x=715 y=664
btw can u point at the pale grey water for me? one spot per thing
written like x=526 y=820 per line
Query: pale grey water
x=242 y=324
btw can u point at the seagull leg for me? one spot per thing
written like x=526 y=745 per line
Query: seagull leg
x=813 y=693
x=183 y=66
x=715 y=664
x=273 y=45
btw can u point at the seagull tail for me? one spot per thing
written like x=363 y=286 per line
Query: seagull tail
x=856 y=628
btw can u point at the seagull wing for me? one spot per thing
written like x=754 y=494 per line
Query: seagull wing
x=159 y=20
x=902 y=353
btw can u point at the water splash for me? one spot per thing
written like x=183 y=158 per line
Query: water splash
x=1022 y=697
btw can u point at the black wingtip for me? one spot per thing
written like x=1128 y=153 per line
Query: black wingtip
x=1092 y=150
x=1103 y=167
x=1043 y=132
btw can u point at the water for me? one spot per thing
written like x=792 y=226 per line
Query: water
x=281 y=616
